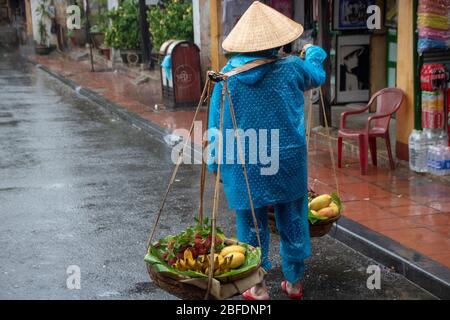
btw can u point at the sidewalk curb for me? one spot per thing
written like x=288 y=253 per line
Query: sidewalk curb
x=417 y=268
x=435 y=280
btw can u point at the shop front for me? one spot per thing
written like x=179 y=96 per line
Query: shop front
x=363 y=59
x=422 y=72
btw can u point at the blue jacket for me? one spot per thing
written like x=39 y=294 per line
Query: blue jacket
x=268 y=103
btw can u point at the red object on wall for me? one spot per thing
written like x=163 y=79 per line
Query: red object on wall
x=184 y=88
x=432 y=76
x=433 y=119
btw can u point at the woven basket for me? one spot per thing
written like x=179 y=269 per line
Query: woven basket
x=172 y=283
x=321 y=228
x=179 y=289
x=316 y=230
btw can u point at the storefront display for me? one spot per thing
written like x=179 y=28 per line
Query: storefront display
x=351 y=14
x=353 y=76
x=433 y=25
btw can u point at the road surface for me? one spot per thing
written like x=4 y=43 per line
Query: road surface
x=80 y=188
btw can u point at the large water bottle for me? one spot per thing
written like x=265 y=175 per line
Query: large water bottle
x=424 y=142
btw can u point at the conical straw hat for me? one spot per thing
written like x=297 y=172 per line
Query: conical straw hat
x=261 y=28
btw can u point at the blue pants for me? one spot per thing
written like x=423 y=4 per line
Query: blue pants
x=292 y=224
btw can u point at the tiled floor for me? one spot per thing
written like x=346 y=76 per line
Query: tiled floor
x=409 y=208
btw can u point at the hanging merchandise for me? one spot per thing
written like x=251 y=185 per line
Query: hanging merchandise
x=432 y=77
x=432 y=110
x=433 y=25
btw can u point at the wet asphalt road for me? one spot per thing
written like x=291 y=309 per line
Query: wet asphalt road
x=79 y=187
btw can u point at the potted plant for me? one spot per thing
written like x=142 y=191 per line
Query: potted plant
x=43 y=46
x=99 y=25
x=123 y=32
x=72 y=38
x=97 y=36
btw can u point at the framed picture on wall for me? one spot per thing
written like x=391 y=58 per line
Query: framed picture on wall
x=351 y=14
x=390 y=13
x=353 y=68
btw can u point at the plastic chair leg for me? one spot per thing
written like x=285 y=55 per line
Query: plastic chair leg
x=340 y=152
x=363 y=153
x=373 y=150
x=388 y=147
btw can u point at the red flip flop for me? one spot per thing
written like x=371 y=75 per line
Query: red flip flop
x=248 y=295
x=294 y=296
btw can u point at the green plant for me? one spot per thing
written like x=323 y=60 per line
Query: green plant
x=99 y=18
x=174 y=21
x=43 y=14
x=123 y=32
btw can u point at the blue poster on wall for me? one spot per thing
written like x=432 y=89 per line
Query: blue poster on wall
x=351 y=14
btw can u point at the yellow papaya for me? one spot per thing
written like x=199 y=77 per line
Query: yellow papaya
x=233 y=248
x=237 y=259
x=326 y=212
x=320 y=202
x=335 y=208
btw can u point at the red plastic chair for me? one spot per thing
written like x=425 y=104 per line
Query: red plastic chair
x=388 y=101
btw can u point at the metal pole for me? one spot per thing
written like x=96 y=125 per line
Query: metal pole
x=88 y=33
x=146 y=44
x=325 y=43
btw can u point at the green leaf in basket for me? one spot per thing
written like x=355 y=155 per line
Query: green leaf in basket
x=313 y=219
x=154 y=258
x=335 y=198
x=252 y=260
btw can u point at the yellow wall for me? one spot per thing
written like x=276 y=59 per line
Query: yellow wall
x=29 y=18
x=218 y=60
x=405 y=76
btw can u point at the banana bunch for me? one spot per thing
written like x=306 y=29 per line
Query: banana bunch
x=230 y=257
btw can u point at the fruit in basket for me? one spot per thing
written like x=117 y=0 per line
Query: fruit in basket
x=335 y=209
x=189 y=250
x=231 y=249
x=326 y=212
x=236 y=259
x=324 y=207
x=320 y=202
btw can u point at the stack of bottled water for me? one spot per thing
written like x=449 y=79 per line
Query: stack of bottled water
x=428 y=152
x=438 y=156
x=439 y=160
